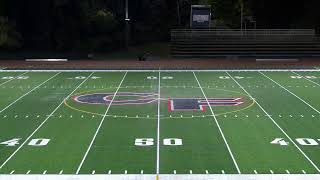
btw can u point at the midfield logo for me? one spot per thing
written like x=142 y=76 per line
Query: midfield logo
x=174 y=104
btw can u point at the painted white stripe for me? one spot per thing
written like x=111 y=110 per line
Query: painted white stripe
x=255 y=171
x=13 y=78
x=44 y=172
x=218 y=125
x=109 y=172
x=141 y=172
x=125 y=172
x=12 y=172
x=140 y=70
x=306 y=78
x=98 y=129
x=271 y=172
x=190 y=171
x=303 y=171
x=287 y=171
x=207 y=172
x=292 y=141
x=174 y=172
x=27 y=140
x=290 y=92
x=158 y=125
x=222 y=172
x=28 y=93
x=28 y=172
x=93 y=172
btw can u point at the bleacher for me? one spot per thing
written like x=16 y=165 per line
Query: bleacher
x=257 y=42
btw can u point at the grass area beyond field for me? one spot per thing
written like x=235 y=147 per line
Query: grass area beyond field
x=160 y=122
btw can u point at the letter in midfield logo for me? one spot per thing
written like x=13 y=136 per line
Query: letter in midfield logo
x=174 y=104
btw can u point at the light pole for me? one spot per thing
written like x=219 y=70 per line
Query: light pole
x=127 y=31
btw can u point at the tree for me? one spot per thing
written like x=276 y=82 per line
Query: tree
x=9 y=37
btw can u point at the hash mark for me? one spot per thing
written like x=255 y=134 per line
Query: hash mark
x=44 y=172
x=109 y=172
x=174 y=172
x=190 y=171
x=125 y=172
x=61 y=172
x=271 y=171
x=207 y=172
x=93 y=172
x=287 y=171
x=255 y=171
x=141 y=172
x=12 y=172
x=223 y=172
x=304 y=172
x=28 y=172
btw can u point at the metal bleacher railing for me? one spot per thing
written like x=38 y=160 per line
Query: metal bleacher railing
x=217 y=42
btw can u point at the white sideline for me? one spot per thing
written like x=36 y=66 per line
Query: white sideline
x=98 y=129
x=28 y=92
x=221 y=132
x=3 y=164
x=306 y=78
x=150 y=70
x=164 y=177
x=292 y=141
x=291 y=92
x=14 y=78
x=158 y=126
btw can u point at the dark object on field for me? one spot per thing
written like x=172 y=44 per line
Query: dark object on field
x=144 y=56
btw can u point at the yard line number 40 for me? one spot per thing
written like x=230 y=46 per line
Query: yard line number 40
x=301 y=141
x=32 y=142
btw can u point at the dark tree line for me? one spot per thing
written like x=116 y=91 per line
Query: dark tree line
x=98 y=25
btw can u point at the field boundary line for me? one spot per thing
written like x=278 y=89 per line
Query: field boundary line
x=291 y=93
x=98 y=129
x=29 y=92
x=215 y=118
x=269 y=116
x=306 y=78
x=158 y=127
x=172 y=70
x=13 y=78
x=30 y=136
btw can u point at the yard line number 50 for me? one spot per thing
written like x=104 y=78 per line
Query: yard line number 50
x=150 y=142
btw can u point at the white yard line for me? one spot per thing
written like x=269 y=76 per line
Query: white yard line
x=221 y=132
x=306 y=78
x=27 y=140
x=98 y=129
x=28 y=92
x=290 y=92
x=268 y=115
x=158 y=126
x=13 y=78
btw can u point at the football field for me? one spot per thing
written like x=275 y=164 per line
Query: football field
x=160 y=122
